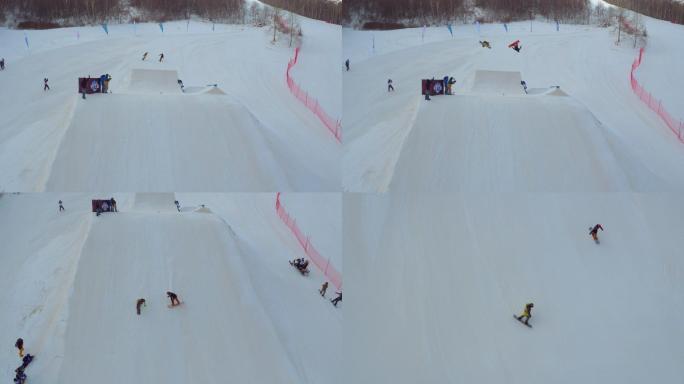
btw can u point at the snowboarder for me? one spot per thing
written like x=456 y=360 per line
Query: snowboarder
x=173 y=297
x=346 y=64
x=515 y=45
x=180 y=83
x=593 y=231
x=177 y=205
x=428 y=84
x=390 y=87
x=61 y=206
x=2 y=64
x=485 y=44
x=112 y=204
x=445 y=83
x=337 y=299
x=26 y=361
x=20 y=346
x=527 y=313
x=161 y=57
x=524 y=85
x=140 y=304
x=20 y=377
x=46 y=87
x=324 y=288
x=144 y=56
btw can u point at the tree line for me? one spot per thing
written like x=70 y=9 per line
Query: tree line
x=326 y=10
x=419 y=12
x=669 y=10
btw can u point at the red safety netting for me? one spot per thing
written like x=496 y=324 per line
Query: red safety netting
x=333 y=125
x=322 y=263
x=654 y=104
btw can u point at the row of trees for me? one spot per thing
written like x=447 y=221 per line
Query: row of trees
x=92 y=11
x=669 y=10
x=326 y=10
x=429 y=11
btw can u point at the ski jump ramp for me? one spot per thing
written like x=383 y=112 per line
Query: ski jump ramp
x=133 y=255
x=496 y=138
x=155 y=138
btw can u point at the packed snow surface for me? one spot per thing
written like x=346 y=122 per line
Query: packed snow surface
x=246 y=134
x=436 y=281
x=490 y=136
x=70 y=280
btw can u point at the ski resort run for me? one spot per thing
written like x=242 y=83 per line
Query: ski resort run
x=71 y=279
x=214 y=113
x=559 y=115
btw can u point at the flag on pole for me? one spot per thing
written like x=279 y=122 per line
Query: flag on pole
x=26 y=40
x=557 y=26
x=78 y=35
x=187 y=26
x=213 y=26
x=450 y=30
x=477 y=25
x=373 y=43
x=422 y=35
x=104 y=26
x=506 y=27
x=161 y=26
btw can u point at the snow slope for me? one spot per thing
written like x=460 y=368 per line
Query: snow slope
x=247 y=316
x=380 y=127
x=240 y=59
x=447 y=272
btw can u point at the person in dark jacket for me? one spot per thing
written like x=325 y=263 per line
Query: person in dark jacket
x=139 y=304
x=324 y=288
x=61 y=206
x=46 y=87
x=346 y=64
x=337 y=299
x=390 y=87
x=173 y=297
x=594 y=232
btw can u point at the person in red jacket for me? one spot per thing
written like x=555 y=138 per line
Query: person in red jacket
x=594 y=232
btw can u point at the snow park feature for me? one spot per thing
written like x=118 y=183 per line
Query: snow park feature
x=579 y=128
x=71 y=282
x=435 y=280
x=236 y=127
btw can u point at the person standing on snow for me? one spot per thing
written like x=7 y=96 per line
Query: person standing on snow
x=144 y=56
x=390 y=87
x=20 y=346
x=173 y=297
x=428 y=85
x=61 y=206
x=161 y=57
x=346 y=64
x=46 y=87
x=139 y=304
x=324 y=288
x=337 y=299
x=177 y=205
x=2 y=64
x=593 y=231
x=112 y=203
x=527 y=313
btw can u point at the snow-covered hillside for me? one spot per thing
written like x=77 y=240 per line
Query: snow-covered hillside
x=256 y=137
x=435 y=281
x=599 y=137
x=69 y=282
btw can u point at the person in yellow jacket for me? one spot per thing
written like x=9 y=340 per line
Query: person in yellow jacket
x=20 y=346
x=526 y=314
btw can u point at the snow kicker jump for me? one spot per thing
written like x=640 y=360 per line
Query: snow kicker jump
x=495 y=137
x=153 y=137
x=135 y=255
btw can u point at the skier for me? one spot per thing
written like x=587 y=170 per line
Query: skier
x=20 y=377
x=26 y=361
x=20 y=346
x=593 y=231
x=337 y=299
x=173 y=297
x=527 y=313
x=101 y=81
x=112 y=204
x=485 y=44
x=180 y=83
x=324 y=288
x=105 y=84
x=177 y=205
x=346 y=64
x=445 y=83
x=2 y=64
x=46 y=87
x=61 y=206
x=161 y=57
x=390 y=87
x=144 y=56
x=524 y=85
x=139 y=304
